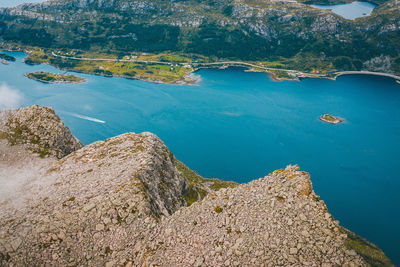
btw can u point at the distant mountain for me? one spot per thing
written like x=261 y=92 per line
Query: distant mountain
x=241 y=29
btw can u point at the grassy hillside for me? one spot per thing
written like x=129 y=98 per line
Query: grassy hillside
x=290 y=33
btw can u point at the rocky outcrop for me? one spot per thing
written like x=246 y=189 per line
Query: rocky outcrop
x=39 y=129
x=104 y=199
x=127 y=201
x=276 y=219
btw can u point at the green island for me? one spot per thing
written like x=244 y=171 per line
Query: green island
x=47 y=77
x=330 y=119
x=7 y=57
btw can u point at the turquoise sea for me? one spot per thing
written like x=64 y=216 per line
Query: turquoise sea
x=240 y=126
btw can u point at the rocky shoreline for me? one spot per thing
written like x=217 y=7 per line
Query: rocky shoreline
x=127 y=201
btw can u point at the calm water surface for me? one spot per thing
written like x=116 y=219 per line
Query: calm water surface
x=13 y=3
x=351 y=10
x=241 y=126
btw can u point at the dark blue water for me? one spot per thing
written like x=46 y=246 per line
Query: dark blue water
x=241 y=126
x=350 y=10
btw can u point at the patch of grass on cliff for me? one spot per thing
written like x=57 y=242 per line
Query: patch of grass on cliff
x=218 y=209
x=3 y=135
x=194 y=177
x=199 y=186
x=193 y=194
x=43 y=152
x=21 y=134
x=371 y=253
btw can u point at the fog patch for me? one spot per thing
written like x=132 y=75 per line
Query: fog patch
x=9 y=98
x=21 y=177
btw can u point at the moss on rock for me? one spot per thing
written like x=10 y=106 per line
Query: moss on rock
x=370 y=252
x=199 y=186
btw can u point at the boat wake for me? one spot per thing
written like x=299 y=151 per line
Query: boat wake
x=83 y=117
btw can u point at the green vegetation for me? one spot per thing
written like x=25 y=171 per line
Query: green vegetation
x=21 y=134
x=330 y=119
x=289 y=36
x=218 y=209
x=198 y=186
x=36 y=56
x=136 y=66
x=47 y=77
x=7 y=57
x=66 y=202
x=371 y=253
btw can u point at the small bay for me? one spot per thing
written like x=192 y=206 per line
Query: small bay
x=240 y=126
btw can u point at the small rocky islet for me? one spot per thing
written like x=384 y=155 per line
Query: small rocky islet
x=330 y=119
x=127 y=201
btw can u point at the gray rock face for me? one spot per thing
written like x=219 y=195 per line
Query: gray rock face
x=123 y=202
x=275 y=220
x=39 y=129
x=103 y=201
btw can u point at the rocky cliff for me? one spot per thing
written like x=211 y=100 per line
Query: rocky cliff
x=39 y=129
x=127 y=201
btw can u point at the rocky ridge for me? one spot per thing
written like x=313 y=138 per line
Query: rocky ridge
x=39 y=129
x=125 y=202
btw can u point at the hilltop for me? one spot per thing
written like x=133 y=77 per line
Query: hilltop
x=127 y=201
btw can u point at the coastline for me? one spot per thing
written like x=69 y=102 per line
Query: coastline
x=365 y=72
x=249 y=67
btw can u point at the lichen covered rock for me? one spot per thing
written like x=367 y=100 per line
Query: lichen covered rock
x=39 y=129
x=273 y=221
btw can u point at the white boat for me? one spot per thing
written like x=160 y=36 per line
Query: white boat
x=4 y=62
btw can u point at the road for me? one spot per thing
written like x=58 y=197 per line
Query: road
x=235 y=63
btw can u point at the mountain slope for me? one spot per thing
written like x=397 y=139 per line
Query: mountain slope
x=301 y=37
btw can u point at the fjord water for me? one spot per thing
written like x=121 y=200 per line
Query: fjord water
x=350 y=10
x=239 y=125
x=13 y=3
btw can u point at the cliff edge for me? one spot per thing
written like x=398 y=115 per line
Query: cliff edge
x=127 y=201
